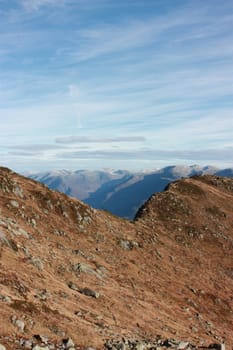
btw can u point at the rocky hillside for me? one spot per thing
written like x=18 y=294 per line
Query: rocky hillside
x=72 y=277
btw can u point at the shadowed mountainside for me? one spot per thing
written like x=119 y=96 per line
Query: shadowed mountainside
x=67 y=270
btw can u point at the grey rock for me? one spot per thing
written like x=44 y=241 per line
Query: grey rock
x=13 y=319
x=2 y=347
x=125 y=244
x=140 y=346
x=65 y=214
x=18 y=191
x=20 y=325
x=89 y=292
x=68 y=343
x=33 y=222
x=183 y=345
x=128 y=245
x=5 y=298
x=21 y=232
x=73 y=286
x=37 y=263
x=59 y=232
x=85 y=268
x=42 y=295
x=87 y=219
x=41 y=338
x=27 y=344
x=79 y=217
x=14 y=203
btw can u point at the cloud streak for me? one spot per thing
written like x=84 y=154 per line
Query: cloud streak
x=32 y=148
x=35 y=5
x=88 y=139
x=223 y=155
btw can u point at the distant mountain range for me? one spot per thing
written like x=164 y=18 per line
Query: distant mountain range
x=119 y=191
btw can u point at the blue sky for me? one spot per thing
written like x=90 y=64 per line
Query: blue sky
x=115 y=84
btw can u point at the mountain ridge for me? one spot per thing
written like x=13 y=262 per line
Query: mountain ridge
x=88 y=275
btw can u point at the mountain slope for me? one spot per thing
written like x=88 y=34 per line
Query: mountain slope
x=78 y=184
x=68 y=270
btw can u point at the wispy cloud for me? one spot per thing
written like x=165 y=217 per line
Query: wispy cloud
x=25 y=154
x=86 y=139
x=32 y=148
x=215 y=155
x=32 y=5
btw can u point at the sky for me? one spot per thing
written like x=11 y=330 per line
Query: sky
x=130 y=84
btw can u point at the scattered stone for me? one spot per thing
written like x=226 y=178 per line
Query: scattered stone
x=18 y=191
x=42 y=295
x=159 y=344
x=63 y=294
x=183 y=345
x=78 y=313
x=18 y=323
x=65 y=214
x=33 y=222
x=27 y=344
x=140 y=346
x=73 y=286
x=36 y=261
x=5 y=298
x=128 y=245
x=85 y=268
x=41 y=338
x=14 y=203
x=89 y=292
x=21 y=232
x=59 y=232
x=68 y=343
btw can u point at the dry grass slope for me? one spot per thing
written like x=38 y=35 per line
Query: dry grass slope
x=67 y=270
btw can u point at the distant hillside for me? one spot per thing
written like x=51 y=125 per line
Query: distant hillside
x=120 y=192
x=78 y=183
x=225 y=172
